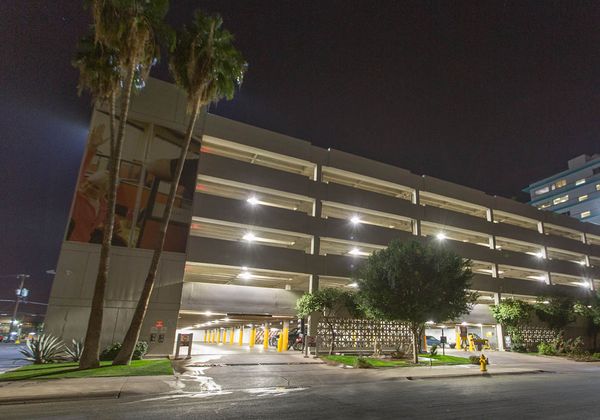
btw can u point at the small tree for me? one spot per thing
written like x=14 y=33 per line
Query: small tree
x=414 y=282
x=330 y=304
x=513 y=314
x=591 y=312
x=555 y=311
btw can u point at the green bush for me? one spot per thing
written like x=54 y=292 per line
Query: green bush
x=43 y=349
x=111 y=351
x=74 y=352
x=433 y=350
x=596 y=355
x=547 y=349
x=475 y=360
x=361 y=363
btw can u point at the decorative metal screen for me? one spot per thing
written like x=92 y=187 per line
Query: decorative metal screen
x=534 y=334
x=360 y=335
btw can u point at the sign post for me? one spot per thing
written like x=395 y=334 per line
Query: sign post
x=182 y=341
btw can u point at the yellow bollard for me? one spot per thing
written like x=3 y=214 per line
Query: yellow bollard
x=231 y=336
x=252 y=336
x=211 y=336
x=241 y=341
x=284 y=343
x=266 y=339
x=280 y=342
x=219 y=337
x=205 y=336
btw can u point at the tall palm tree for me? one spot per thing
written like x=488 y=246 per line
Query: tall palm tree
x=205 y=63
x=130 y=28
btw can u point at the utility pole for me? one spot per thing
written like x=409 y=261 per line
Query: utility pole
x=21 y=293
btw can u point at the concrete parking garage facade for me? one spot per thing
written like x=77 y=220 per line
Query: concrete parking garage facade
x=273 y=217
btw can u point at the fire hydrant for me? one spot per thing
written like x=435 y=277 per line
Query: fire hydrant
x=483 y=363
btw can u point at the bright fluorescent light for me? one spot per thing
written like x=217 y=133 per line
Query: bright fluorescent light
x=249 y=237
x=353 y=285
x=355 y=220
x=355 y=251
x=441 y=236
x=245 y=275
x=253 y=200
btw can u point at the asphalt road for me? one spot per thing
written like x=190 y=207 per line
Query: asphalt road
x=546 y=395
x=10 y=357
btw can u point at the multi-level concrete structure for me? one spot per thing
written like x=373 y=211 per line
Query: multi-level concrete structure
x=274 y=216
x=574 y=192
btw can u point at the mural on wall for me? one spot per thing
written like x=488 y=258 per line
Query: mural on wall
x=150 y=155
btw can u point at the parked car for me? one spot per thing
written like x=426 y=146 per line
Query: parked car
x=432 y=341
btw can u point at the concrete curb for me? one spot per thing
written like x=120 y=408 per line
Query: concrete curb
x=60 y=398
x=476 y=375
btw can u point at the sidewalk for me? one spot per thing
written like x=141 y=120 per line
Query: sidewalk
x=84 y=388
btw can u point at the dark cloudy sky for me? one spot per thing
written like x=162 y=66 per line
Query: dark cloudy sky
x=489 y=94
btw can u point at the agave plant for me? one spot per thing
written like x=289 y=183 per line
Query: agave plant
x=74 y=351
x=44 y=349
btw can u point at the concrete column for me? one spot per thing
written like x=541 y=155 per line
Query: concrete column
x=416 y=224
x=549 y=279
x=499 y=327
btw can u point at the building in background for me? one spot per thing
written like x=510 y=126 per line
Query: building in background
x=574 y=192
x=263 y=217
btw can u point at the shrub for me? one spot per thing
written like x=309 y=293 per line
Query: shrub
x=596 y=355
x=475 y=360
x=43 y=349
x=433 y=350
x=361 y=363
x=546 y=349
x=575 y=346
x=398 y=354
x=111 y=351
x=74 y=352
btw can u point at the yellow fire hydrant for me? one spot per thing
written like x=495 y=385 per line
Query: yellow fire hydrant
x=483 y=363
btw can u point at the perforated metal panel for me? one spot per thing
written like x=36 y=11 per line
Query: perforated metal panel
x=361 y=335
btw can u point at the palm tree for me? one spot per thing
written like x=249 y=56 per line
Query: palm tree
x=208 y=67
x=130 y=28
x=99 y=75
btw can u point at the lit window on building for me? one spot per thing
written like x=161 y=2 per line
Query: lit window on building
x=542 y=191
x=544 y=205
x=583 y=198
x=560 y=199
x=559 y=184
x=585 y=214
x=580 y=181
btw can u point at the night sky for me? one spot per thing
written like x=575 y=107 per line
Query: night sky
x=492 y=95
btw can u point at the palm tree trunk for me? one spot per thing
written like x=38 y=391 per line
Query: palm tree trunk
x=91 y=350
x=133 y=333
x=113 y=121
x=415 y=332
x=332 y=331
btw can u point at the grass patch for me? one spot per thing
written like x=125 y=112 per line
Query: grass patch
x=69 y=370
x=444 y=360
x=437 y=360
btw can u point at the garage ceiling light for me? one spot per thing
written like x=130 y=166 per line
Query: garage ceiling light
x=440 y=236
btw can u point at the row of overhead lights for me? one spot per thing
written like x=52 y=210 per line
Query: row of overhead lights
x=355 y=220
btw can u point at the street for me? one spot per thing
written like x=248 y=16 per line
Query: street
x=10 y=356
x=546 y=395
x=225 y=382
